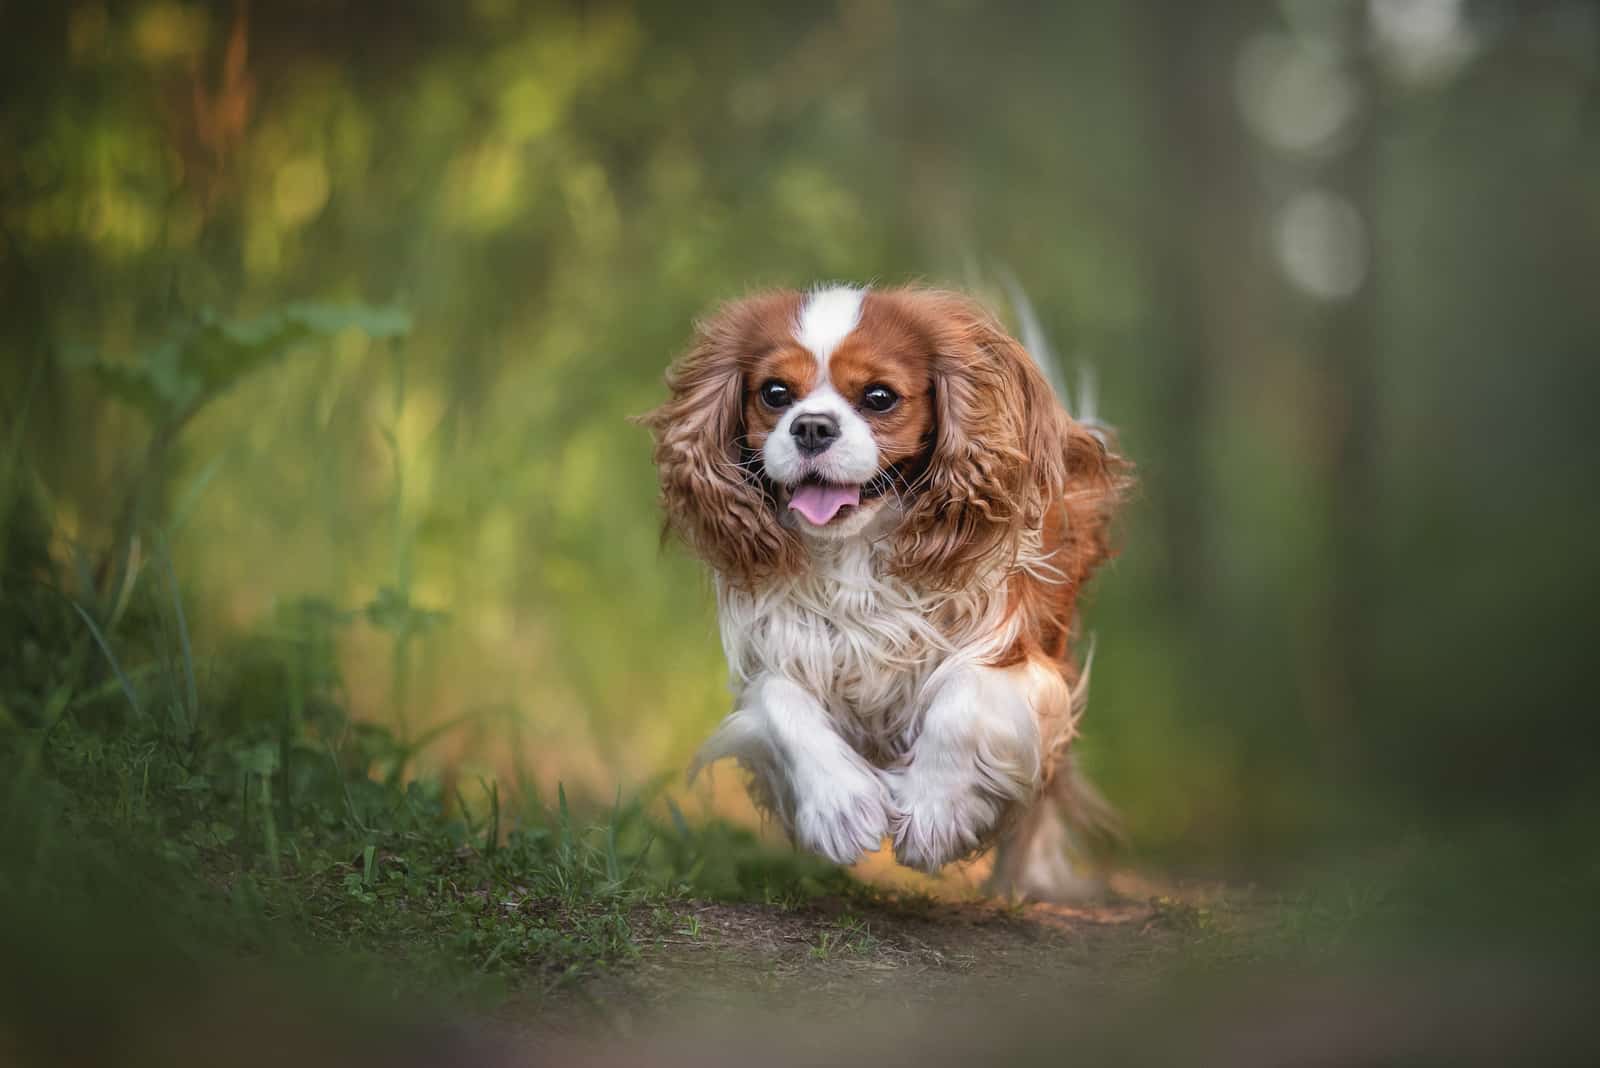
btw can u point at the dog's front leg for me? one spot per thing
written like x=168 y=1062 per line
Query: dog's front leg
x=976 y=754
x=829 y=799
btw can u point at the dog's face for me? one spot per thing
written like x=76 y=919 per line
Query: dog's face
x=839 y=416
x=905 y=414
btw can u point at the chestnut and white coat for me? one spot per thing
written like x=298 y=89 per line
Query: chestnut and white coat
x=900 y=516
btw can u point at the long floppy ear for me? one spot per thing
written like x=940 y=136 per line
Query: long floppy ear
x=1005 y=452
x=711 y=488
x=1098 y=478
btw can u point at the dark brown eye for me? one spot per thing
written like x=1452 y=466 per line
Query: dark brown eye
x=879 y=398
x=775 y=394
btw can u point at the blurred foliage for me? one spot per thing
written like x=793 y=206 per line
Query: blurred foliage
x=1334 y=269
x=172 y=380
x=192 y=829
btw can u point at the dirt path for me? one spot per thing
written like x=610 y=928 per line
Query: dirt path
x=833 y=950
x=830 y=959
x=1196 y=976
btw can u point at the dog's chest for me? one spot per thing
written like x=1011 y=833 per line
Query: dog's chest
x=860 y=642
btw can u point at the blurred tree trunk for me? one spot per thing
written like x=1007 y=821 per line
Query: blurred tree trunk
x=1205 y=271
x=1346 y=349
x=1217 y=292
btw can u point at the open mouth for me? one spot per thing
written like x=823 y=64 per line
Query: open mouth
x=820 y=502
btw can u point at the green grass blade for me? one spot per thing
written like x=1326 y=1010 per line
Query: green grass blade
x=110 y=686
x=466 y=814
x=191 y=692
x=84 y=573
x=491 y=836
x=566 y=853
x=638 y=859
x=111 y=658
x=344 y=785
x=409 y=750
x=269 y=825
x=679 y=824
x=613 y=865
x=128 y=575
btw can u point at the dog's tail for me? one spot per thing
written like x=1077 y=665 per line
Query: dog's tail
x=1086 y=410
x=1057 y=850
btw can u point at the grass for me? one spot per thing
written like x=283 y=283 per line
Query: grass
x=388 y=870
x=852 y=936
x=197 y=814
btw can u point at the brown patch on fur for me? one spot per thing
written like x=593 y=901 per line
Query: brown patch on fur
x=884 y=351
x=711 y=492
x=1076 y=541
x=1004 y=456
x=789 y=364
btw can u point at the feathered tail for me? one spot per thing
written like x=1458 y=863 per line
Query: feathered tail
x=1057 y=849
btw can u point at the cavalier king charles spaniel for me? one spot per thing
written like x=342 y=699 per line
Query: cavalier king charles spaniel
x=900 y=515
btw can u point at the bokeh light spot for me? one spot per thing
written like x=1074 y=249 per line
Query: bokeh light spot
x=300 y=190
x=1294 y=98
x=169 y=31
x=1423 y=41
x=1322 y=244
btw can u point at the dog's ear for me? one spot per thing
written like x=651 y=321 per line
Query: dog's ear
x=711 y=489
x=1005 y=452
x=1097 y=480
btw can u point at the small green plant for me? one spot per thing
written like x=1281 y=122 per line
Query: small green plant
x=393 y=610
x=173 y=380
x=858 y=935
x=852 y=936
x=825 y=945
x=1178 y=915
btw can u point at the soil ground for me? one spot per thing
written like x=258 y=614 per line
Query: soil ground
x=754 y=970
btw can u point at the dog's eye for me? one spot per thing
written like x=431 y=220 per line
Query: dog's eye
x=879 y=398
x=776 y=395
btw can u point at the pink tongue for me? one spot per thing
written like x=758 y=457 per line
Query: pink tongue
x=819 y=504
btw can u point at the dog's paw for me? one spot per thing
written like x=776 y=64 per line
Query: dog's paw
x=938 y=818
x=843 y=817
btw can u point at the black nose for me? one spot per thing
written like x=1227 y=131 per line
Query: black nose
x=814 y=433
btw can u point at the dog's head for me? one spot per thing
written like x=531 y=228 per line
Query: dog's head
x=910 y=415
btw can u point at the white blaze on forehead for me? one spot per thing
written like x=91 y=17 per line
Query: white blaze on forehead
x=826 y=318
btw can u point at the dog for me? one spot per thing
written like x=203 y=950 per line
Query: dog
x=900 y=516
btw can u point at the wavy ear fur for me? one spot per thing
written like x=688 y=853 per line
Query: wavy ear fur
x=711 y=489
x=1005 y=451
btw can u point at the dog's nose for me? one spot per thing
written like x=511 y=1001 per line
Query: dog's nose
x=814 y=433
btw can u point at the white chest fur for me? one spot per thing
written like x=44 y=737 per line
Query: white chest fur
x=864 y=644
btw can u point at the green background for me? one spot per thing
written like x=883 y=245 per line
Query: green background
x=1335 y=270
